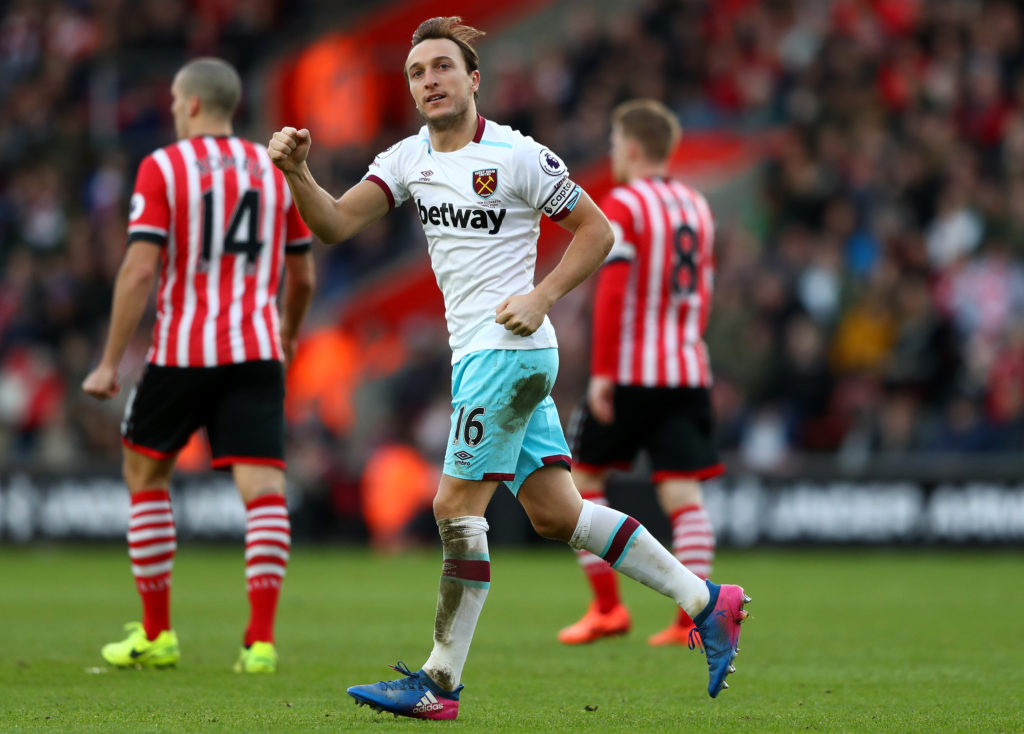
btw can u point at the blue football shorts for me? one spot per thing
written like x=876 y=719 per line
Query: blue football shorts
x=504 y=422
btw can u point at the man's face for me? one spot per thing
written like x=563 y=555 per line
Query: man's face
x=179 y=108
x=440 y=85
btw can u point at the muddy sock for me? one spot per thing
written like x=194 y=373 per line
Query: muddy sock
x=465 y=579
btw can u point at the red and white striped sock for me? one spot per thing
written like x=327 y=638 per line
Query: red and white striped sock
x=693 y=543
x=152 y=542
x=600 y=576
x=268 y=540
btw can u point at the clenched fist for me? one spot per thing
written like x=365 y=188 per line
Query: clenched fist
x=288 y=148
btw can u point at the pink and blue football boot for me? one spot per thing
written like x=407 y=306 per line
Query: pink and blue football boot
x=719 y=629
x=415 y=695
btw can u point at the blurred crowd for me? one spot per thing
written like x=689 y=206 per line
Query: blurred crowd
x=870 y=300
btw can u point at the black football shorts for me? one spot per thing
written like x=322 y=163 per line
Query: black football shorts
x=674 y=425
x=240 y=405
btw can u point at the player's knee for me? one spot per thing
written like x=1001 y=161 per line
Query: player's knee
x=138 y=480
x=551 y=524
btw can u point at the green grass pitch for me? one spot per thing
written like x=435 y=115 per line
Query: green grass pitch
x=850 y=641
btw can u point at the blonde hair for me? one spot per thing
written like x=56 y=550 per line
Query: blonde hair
x=651 y=124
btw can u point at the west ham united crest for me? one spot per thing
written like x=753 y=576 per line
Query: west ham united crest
x=485 y=182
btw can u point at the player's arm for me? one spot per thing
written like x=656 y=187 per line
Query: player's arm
x=332 y=220
x=591 y=240
x=131 y=292
x=609 y=295
x=299 y=284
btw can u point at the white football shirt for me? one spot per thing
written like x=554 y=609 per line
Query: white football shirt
x=480 y=207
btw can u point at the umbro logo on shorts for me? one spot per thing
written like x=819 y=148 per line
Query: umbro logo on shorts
x=464 y=455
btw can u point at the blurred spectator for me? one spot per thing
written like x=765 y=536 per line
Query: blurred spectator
x=868 y=298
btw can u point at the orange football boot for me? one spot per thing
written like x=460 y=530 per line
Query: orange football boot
x=594 y=625
x=677 y=633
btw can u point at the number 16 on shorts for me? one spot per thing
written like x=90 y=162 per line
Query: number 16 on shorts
x=472 y=432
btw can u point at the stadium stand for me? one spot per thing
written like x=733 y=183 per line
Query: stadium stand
x=870 y=283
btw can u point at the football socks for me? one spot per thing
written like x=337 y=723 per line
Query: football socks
x=630 y=549
x=152 y=542
x=465 y=580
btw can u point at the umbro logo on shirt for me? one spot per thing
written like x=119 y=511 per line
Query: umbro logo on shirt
x=428 y=702
x=451 y=216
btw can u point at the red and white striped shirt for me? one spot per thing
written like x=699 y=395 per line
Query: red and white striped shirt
x=225 y=218
x=654 y=293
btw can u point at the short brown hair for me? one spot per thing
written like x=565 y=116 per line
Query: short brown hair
x=215 y=82
x=650 y=123
x=451 y=27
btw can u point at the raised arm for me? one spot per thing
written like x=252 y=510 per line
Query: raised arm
x=331 y=220
x=592 y=239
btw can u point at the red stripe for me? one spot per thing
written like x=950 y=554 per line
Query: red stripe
x=676 y=326
x=491 y=476
x=151 y=495
x=682 y=511
x=683 y=549
x=201 y=279
x=557 y=459
x=276 y=543
x=642 y=341
x=151 y=453
x=229 y=193
x=276 y=240
x=151 y=560
x=559 y=216
x=706 y=261
x=272 y=560
x=250 y=346
x=179 y=266
x=619 y=541
x=138 y=515
x=467 y=570
x=387 y=190
x=664 y=293
x=480 y=124
x=153 y=541
x=705 y=473
x=162 y=281
x=267 y=500
x=150 y=525
x=224 y=462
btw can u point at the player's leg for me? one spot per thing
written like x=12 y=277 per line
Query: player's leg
x=693 y=543
x=596 y=448
x=433 y=691
x=246 y=430
x=606 y=615
x=682 y=454
x=465 y=577
x=268 y=543
x=494 y=395
x=558 y=512
x=159 y=418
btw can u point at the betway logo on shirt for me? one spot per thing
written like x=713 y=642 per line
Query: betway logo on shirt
x=451 y=216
